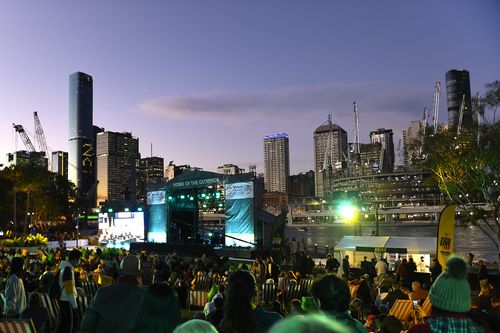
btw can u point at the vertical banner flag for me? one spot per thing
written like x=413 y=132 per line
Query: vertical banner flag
x=446 y=230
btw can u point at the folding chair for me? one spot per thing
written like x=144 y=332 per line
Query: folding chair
x=52 y=306
x=17 y=326
x=306 y=286
x=268 y=293
x=426 y=307
x=90 y=288
x=292 y=291
x=401 y=309
x=197 y=298
x=82 y=302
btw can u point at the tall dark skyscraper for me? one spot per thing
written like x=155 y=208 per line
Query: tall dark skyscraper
x=458 y=85
x=81 y=155
x=387 y=157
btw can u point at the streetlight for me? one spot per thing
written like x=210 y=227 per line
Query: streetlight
x=349 y=212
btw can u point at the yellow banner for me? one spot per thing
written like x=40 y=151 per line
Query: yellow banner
x=446 y=234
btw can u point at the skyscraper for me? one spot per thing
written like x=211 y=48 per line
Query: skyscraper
x=150 y=172
x=458 y=90
x=60 y=163
x=81 y=155
x=385 y=138
x=117 y=166
x=410 y=150
x=330 y=150
x=276 y=163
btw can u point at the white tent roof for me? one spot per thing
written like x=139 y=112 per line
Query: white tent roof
x=420 y=245
x=349 y=243
x=413 y=244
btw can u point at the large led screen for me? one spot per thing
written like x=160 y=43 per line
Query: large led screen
x=120 y=229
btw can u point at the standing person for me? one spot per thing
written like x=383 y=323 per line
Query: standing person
x=159 y=310
x=331 y=295
x=421 y=266
x=365 y=266
x=346 y=267
x=482 y=273
x=332 y=264
x=435 y=269
x=272 y=269
x=381 y=268
x=242 y=314
x=67 y=301
x=114 y=308
x=15 y=295
x=410 y=269
x=450 y=299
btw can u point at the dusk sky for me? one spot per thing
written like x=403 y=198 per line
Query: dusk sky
x=205 y=81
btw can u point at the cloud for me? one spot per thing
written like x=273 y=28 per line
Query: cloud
x=236 y=107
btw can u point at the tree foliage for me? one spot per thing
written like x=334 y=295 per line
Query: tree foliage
x=467 y=167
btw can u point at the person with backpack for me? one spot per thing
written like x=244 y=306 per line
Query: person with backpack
x=66 y=282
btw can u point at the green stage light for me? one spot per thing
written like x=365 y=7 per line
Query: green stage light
x=110 y=210
x=139 y=209
x=183 y=196
x=127 y=209
x=191 y=198
x=170 y=198
x=204 y=206
x=220 y=205
x=217 y=195
x=210 y=234
x=203 y=195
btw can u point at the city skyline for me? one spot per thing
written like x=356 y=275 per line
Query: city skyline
x=204 y=83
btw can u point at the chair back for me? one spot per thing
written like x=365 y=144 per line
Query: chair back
x=17 y=326
x=426 y=307
x=268 y=293
x=292 y=291
x=306 y=286
x=401 y=309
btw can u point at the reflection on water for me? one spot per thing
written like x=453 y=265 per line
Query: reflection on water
x=467 y=238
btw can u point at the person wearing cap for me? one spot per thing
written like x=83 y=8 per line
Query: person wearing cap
x=450 y=296
x=115 y=308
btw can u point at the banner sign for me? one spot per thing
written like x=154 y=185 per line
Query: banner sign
x=239 y=191
x=156 y=198
x=196 y=183
x=446 y=233
x=381 y=249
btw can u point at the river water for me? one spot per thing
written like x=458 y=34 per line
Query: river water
x=467 y=238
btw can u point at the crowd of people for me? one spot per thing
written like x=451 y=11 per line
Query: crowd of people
x=146 y=292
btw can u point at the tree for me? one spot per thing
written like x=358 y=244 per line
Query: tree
x=467 y=168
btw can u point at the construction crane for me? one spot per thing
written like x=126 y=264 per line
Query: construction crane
x=356 y=130
x=26 y=140
x=328 y=160
x=40 y=136
x=435 y=105
x=461 y=115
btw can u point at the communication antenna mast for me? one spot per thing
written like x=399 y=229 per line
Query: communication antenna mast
x=40 y=136
x=461 y=115
x=435 y=105
x=356 y=130
x=26 y=140
x=327 y=162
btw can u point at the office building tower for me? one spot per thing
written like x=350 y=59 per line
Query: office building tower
x=117 y=167
x=81 y=154
x=458 y=91
x=150 y=172
x=411 y=147
x=330 y=153
x=276 y=163
x=385 y=138
x=60 y=163
x=27 y=159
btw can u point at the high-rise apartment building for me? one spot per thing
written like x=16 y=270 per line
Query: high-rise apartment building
x=330 y=150
x=385 y=138
x=276 y=163
x=117 y=166
x=230 y=169
x=60 y=163
x=302 y=185
x=410 y=147
x=458 y=90
x=81 y=154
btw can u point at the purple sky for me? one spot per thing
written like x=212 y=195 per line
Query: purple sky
x=205 y=81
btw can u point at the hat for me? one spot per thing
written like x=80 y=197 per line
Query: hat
x=451 y=291
x=130 y=265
